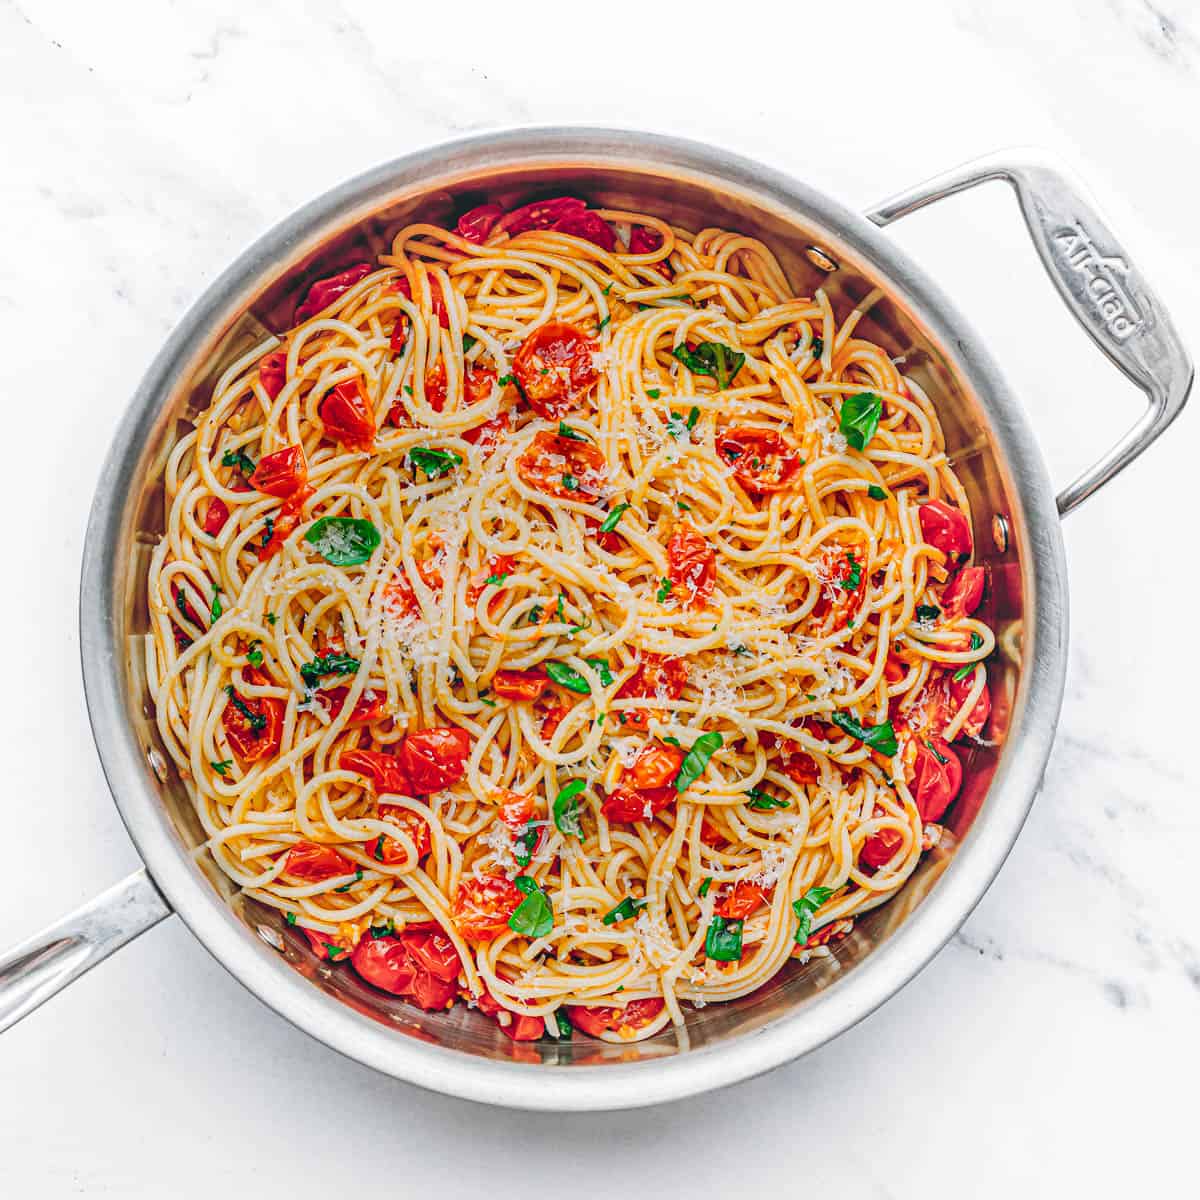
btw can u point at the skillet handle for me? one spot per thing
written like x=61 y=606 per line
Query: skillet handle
x=1099 y=283
x=45 y=963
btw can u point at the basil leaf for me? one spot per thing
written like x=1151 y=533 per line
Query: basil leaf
x=567 y=677
x=526 y=842
x=664 y=589
x=723 y=942
x=602 y=324
x=256 y=721
x=347 y=886
x=806 y=906
x=215 y=612
x=566 y=808
x=963 y=672
x=876 y=492
x=817 y=347
x=654 y=393
x=878 y=737
x=327 y=664
x=600 y=665
x=570 y=483
x=222 y=768
x=378 y=853
x=496 y=580
x=561 y=1020
x=565 y=431
x=239 y=459
x=343 y=541
x=468 y=342
x=693 y=417
x=714 y=359
x=613 y=519
x=702 y=890
x=290 y=918
x=928 y=612
x=254 y=656
x=271 y=618
x=623 y=911
x=384 y=930
x=860 y=418
x=764 y=800
x=534 y=916
x=434 y=463
x=696 y=760
x=333 y=953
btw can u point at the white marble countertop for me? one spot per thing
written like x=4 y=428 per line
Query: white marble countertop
x=1051 y=1048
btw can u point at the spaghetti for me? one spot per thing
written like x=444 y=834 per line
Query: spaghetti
x=566 y=618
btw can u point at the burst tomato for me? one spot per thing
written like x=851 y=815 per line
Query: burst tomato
x=253 y=725
x=519 y=685
x=411 y=823
x=880 y=848
x=894 y=669
x=283 y=524
x=215 y=516
x=936 y=778
x=331 y=949
x=963 y=593
x=691 y=566
x=347 y=416
x=958 y=690
x=436 y=301
x=742 y=900
x=475 y=224
x=655 y=766
x=498 y=567
x=633 y=804
x=541 y=214
x=325 y=291
x=553 y=719
x=597 y=1021
x=281 y=474
x=946 y=529
x=762 y=461
x=272 y=373
x=487 y=436
x=383 y=771
x=524 y=1028
x=414 y=964
x=645 y=240
x=555 y=369
x=657 y=678
x=434 y=758
x=482 y=906
x=844 y=586
x=370 y=706
x=562 y=467
x=589 y=226
x=313 y=862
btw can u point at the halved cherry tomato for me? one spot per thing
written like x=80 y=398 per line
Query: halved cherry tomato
x=283 y=524
x=589 y=226
x=894 y=669
x=281 y=474
x=963 y=593
x=370 y=706
x=434 y=758
x=383 y=771
x=251 y=744
x=482 y=905
x=325 y=291
x=762 y=461
x=436 y=301
x=555 y=369
x=657 y=678
x=937 y=777
x=434 y=952
x=611 y=542
x=597 y=1021
x=541 y=214
x=519 y=685
x=478 y=383
x=742 y=900
x=435 y=385
x=524 y=1028
x=272 y=373
x=413 y=824
x=645 y=240
x=347 y=416
x=516 y=811
x=946 y=529
x=880 y=848
x=562 y=467
x=496 y=567
x=845 y=583
x=633 y=804
x=691 y=566
x=553 y=719
x=314 y=862
x=655 y=766
x=330 y=949
x=800 y=766
x=958 y=690
x=475 y=224
x=413 y=964
x=487 y=436
x=215 y=516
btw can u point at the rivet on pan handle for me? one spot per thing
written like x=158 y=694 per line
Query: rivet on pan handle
x=44 y=964
x=1096 y=278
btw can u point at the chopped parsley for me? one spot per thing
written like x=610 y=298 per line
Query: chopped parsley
x=817 y=347
x=327 y=664
x=613 y=519
x=664 y=589
x=290 y=918
x=535 y=614
x=854 y=578
x=268 y=529
x=271 y=618
x=496 y=580
x=714 y=359
x=936 y=754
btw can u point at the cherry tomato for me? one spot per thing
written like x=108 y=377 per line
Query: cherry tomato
x=383 y=771
x=761 y=460
x=284 y=524
x=487 y=436
x=478 y=383
x=555 y=369
x=963 y=593
x=645 y=240
x=632 y=804
x=524 y=1028
x=516 y=811
x=328 y=949
x=371 y=705
x=435 y=386
x=937 y=776
x=562 y=467
x=272 y=373
x=655 y=766
x=946 y=529
x=251 y=744
x=434 y=758
x=281 y=474
x=314 y=862
x=325 y=291
x=436 y=301
x=611 y=542
x=541 y=214
x=958 y=690
x=519 y=685
x=742 y=900
x=691 y=566
x=347 y=416
x=597 y=1021
x=412 y=964
x=475 y=224
x=800 y=766
x=553 y=719
x=482 y=905
x=880 y=848
x=657 y=678
x=844 y=575
x=412 y=823
x=215 y=516
x=589 y=226
x=496 y=567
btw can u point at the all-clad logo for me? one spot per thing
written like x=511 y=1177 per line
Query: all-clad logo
x=1102 y=280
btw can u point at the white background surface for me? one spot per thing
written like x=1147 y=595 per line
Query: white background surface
x=1052 y=1048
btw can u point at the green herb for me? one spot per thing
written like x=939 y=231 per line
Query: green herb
x=570 y=483
x=566 y=808
x=489 y=703
x=696 y=760
x=561 y=1021
x=216 y=604
x=254 y=656
x=334 y=952
x=664 y=589
x=408 y=389
x=614 y=518
x=565 y=431
x=384 y=930
x=654 y=393
x=742 y=651
x=559 y=610
x=600 y=666
x=934 y=751
x=878 y=737
x=268 y=530
x=568 y=678
x=343 y=541
x=535 y=614
x=607 y=289
x=702 y=890
x=876 y=492
x=327 y=664
x=713 y=359
x=526 y=842
x=626 y=909
x=435 y=463
x=603 y=323
x=586 y=624
x=534 y=916
x=860 y=418
x=673 y=741
x=723 y=942
x=817 y=347
x=290 y=918
x=239 y=459
x=505 y=380
x=806 y=906
x=928 y=612
x=271 y=618
x=693 y=417
x=682 y=504
x=855 y=576
x=256 y=721
x=347 y=886
x=967 y=668
x=764 y=800
x=468 y=342
x=222 y=767
x=496 y=580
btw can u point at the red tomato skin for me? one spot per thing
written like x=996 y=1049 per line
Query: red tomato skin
x=500 y=564
x=629 y=804
x=779 y=462
x=475 y=224
x=691 y=566
x=215 y=516
x=482 y=905
x=401 y=965
x=434 y=759
x=643 y=239
x=371 y=705
x=589 y=226
x=596 y=1020
x=655 y=675
x=384 y=771
x=946 y=529
x=325 y=291
x=436 y=301
x=487 y=436
x=880 y=848
x=384 y=963
x=272 y=373
x=894 y=669
x=248 y=744
x=524 y=1028
x=413 y=824
x=549 y=459
x=935 y=783
x=477 y=383
x=963 y=593
x=285 y=524
x=282 y=474
x=347 y=416
x=321 y=944
x=554 y=368
x=744 y=898
x=958 y=690
x=434 y=952
x=314 y=862
x=655 y=766
x=541 y=214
